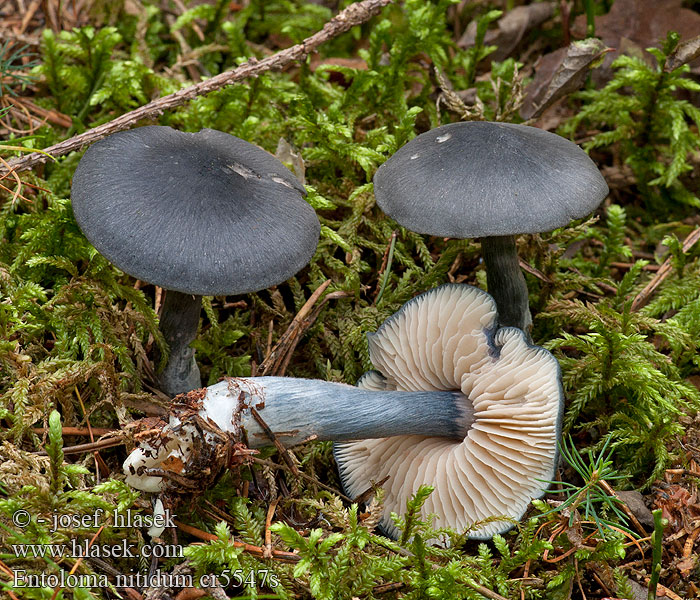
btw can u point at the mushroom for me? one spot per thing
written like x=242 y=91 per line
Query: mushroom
x=197 y=214
x=493 y=181
x=454 y=402
x=510 y=448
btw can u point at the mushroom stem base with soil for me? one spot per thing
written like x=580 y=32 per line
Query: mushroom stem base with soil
x=295 y=410
x=179 y=320
x=506 y=282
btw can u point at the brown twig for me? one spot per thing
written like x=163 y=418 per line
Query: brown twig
x=31 y=40
x=5 y=569
x=280 y=555
x=362 y=497
x=355 y=14
x=664 y=271
x=98 y=445
x=527 y=267
x=267 y=550
x=578 y=579
x=273 y=363
x=98 y=431
x=273 y=465
x=388 y=587
x=77 y=562
x=278 y=358
x=196 y=28
x=52 y=116
x=280 y=448
x=624 y=265
x=661 y=590
x=28 y=16
x=611 y=492
x=191 y=594
x=17 y=192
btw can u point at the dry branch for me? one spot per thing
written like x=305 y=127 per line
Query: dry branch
x=355 y=14
x=664 y=271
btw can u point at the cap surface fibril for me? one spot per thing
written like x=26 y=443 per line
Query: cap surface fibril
x=501 y=463
x=479 y=179
x=202 y=213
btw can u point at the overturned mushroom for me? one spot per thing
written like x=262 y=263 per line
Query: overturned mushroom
x=454 y=402
x=510 y=448
x=198 y=214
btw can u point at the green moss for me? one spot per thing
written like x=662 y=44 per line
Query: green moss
x=73 y=328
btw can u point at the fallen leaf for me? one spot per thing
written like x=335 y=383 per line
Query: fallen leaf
x=684 y=53
x=643 y=22
x=512 y=27
x=559 y=73
x=686 y=565
x=635 y=502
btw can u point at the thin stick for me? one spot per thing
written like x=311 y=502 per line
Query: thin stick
x=281 y=449
x=99 y=431
x=31 y=40
x=77 y=562
x=272 y=465
x=372 y=489
x=611 y=492
x=385 y=269
x=664 y=271
x=274 y=362
x=527 y=267
x=5 y=569
x=388 y=587
x=355 y=14
x=52 y=116
x=98 y=445
x=254 y=550
x=28 y=16
x=267 y=550
x=578 y=579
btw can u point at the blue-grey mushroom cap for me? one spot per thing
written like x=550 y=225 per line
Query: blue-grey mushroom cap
x=202 y=213
x=479 y=179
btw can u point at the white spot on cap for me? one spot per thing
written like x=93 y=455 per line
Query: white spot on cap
x=242 y=170
x=281 y=181
x=415 y=156
x=443 y=138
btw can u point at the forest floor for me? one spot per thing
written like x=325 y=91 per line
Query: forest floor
x=615 y=296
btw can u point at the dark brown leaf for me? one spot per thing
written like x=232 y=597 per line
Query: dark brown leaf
x=684 y=53
x=645 y=23
x=511 y=28
x=561 y=72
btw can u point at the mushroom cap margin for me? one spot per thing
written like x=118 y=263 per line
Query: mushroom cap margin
x=203 y=213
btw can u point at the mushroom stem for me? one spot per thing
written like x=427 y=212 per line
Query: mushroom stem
x=296 y=410
x=179 y=320
x=506 y=282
